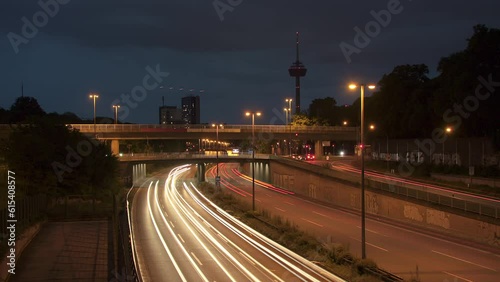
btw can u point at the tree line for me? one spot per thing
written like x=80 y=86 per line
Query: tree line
x=50 y=158
x=407 y=103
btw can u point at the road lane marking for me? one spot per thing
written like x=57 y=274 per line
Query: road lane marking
x=180 y=237
x=369 y=230
x=466 y=261
x=370 y=244
x=282 y=210
x=197 y=260
x=289 y=203
x=320 y=214
x=171 y=223
x=375 y=246
x=459 y=277
x=317 y=224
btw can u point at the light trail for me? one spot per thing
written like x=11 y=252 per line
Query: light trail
x=207 y=244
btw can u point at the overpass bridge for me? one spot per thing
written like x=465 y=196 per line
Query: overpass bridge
x=117 y=132
x=227 y=132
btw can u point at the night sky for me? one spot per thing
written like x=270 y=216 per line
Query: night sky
x=238 y=54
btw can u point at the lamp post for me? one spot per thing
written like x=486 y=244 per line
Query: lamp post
x=289 y=101
x=217 y=147
x=253 y=114
x=288 y=113
x=362 y=145
x=116 y=112
x=94 y=96
x=447 y=131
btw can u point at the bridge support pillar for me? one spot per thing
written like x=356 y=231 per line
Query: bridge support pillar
x=318 y=149
x=115 y=147
x=201 y=172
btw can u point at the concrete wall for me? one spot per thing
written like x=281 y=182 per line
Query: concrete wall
x=316 y=184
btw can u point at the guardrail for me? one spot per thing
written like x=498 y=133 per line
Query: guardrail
x=455 y=199
x=459 y=200
x=208 y=128
x=187 y=156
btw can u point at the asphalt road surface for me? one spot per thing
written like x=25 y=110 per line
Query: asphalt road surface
x=401 y=251
x=180 y=236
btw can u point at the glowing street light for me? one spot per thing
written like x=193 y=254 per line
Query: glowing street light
x=362 y=146
x=447 y=130
x=116 y=112
x=289 y=101
x=94 y=96
x=253 y=114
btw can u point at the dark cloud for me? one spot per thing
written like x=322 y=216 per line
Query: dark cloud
x=242 y=60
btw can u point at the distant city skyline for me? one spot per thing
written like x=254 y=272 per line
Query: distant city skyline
x=239 y=58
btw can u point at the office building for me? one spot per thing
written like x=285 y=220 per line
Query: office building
x=191 y=109
x=170 y=115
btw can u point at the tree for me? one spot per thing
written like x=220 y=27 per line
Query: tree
x=301 y=120
x=459 y=79
x=398 y=107
x=24 y=109
x=323 y=109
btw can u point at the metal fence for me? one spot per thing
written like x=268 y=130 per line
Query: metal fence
x=27 y=211
x=463 y=201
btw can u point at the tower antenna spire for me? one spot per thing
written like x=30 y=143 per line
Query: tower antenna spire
x=297 y=33
x=297 y=70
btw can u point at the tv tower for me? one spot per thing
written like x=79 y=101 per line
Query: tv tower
x=297 y=70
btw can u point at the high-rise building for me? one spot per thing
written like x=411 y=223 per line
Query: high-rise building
x=170 y=115
x=191 y=109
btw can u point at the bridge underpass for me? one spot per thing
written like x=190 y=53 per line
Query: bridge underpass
x=136 y=166
x=321 y=135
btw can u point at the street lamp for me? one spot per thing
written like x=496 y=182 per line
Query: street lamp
x=362 y=145
x=286 y=115
x=217 y=179
x=94 y=96
x=344 y=122
x=116 y=112
x=447 y=130
x=289 y=101
x=253 y=114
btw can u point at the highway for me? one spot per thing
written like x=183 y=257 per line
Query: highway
x=179 y=235
x=395 y=248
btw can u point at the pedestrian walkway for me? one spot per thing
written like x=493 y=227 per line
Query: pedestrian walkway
x=66 y=251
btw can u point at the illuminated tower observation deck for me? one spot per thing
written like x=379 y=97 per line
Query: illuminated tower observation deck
x=297 y=70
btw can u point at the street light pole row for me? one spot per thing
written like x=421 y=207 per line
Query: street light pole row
x=94 y=96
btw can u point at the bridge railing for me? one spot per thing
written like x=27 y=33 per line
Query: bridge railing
x=207 y=128
x=187 y=156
